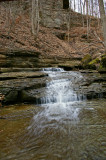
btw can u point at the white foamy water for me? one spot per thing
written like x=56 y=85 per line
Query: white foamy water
x=59 y=90
x=60 y=102
x=60 y=99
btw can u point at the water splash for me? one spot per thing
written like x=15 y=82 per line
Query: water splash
x=59 y=102
x=53 y=70
x=60 y=99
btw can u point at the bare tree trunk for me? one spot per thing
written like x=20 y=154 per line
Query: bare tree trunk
x=74 y=5
x=84 y=7
x=103 y=18
x=81 y=8
x=87 y=17
x=35 y=18
x=92 y=6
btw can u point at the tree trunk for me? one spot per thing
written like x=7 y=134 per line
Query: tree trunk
x=103 y=18
x=87 y=17
x=74 y=5
x=35 y=18
x=92 y=4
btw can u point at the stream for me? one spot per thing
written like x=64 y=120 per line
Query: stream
x=65 y=126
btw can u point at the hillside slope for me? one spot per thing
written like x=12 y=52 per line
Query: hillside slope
x=51 y=43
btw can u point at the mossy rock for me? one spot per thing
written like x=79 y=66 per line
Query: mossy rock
x=102 y=70
x=94 y=63
x=85 y=61
x=103 y=61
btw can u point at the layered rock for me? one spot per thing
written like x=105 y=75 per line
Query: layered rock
x=19 y=58
x=14 y=85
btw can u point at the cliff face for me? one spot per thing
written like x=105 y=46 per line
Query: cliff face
x=53 y=4
x=56 y=14
x=53 y=13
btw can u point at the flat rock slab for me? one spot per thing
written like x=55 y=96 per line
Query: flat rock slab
x=11 y=69
x=22 y=84
x=17 y=75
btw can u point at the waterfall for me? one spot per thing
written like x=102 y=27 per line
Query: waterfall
x=59 y=90
x=60 y=99
x=60 y=103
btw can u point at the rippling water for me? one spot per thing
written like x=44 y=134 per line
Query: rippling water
x=67 y=127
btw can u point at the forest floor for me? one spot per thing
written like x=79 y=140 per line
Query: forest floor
x=51 y=43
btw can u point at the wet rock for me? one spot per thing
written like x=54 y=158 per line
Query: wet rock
x=11 y=97
x=26 y=97
x=33 y=95
x=30 y=86
x=15 y=75
x=70 y=65
x=92 y=86
x=15 y=90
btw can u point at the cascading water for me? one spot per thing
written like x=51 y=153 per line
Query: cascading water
x=64 y=126
x=59 y=97
x=59 y=101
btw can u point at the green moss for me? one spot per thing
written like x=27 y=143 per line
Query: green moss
x=102 y=68
x=94 y=61
x=85 y=61
x=103 y=61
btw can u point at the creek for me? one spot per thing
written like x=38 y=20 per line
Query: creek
x=64 y=126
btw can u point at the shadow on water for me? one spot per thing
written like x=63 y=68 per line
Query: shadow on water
x=68 y=127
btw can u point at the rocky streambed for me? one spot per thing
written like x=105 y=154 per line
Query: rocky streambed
x=66 y=120
x=29 y=85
